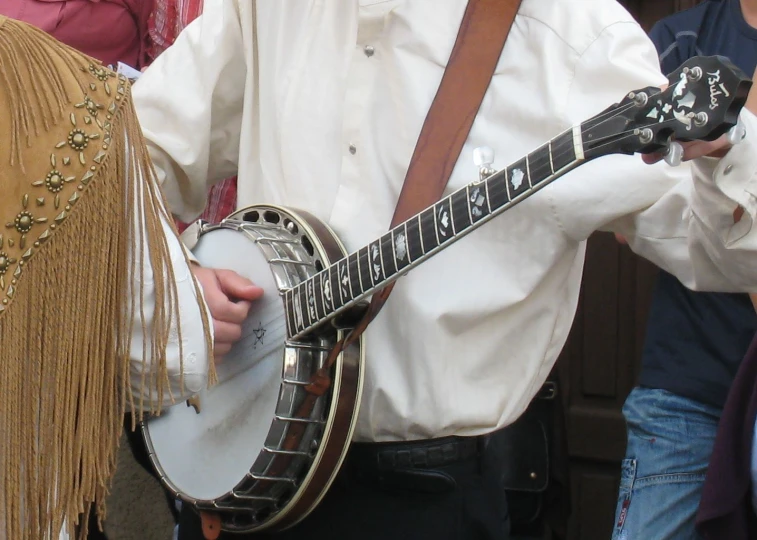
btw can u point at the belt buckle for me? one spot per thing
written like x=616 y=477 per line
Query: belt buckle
x=548 y=391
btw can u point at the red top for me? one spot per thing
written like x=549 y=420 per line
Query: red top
x=109 y=30
x=169 y=18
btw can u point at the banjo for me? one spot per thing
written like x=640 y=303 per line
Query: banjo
x=263 y=445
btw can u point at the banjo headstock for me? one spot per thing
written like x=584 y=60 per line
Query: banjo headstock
x=702 y=101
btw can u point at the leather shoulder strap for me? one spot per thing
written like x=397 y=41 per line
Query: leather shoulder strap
x=479 y=44
x=474 y=57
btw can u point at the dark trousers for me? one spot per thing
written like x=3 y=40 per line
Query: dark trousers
x=378 y=497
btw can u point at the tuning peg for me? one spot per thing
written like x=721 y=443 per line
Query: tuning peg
x=693 y=74
x=674 y=154
x=737 y=133
x=483 y=158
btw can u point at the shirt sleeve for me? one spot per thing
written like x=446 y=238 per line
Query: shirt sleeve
x=680 y=218
x=207 y=74
x=186 y=353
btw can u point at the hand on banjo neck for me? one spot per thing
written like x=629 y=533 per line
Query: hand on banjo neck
x=716 y=149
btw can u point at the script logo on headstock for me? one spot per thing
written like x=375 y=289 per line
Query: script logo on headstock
x=717 y=88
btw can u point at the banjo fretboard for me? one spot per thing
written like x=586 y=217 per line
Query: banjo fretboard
x=362 y=273
x=702 y=101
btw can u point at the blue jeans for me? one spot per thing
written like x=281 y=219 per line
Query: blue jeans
x=670 y=440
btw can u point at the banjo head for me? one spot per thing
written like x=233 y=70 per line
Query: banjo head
x=234 y=415
x=231 y=457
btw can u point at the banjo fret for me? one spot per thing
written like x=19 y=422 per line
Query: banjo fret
x=356 y=285
x=321 y=310
x=343 y=269
x=302 y=300
x=478 y=202
x=496 y=188
x=336 y=289
x=540 y=164
x=488 y=198
x=377 y=266
x=427 y=220
x=413 y=238
x=518 y=181
x=399 y=246
x=460 y=210
x=364 y=265
x=289 y=308
x=311 y=302
x=387 y=255
x=445 y=228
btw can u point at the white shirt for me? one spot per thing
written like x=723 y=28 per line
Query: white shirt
x=282 y=90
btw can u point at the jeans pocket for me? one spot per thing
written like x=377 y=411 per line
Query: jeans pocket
x=627 y=479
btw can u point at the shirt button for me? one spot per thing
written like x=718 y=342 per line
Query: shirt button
x=353 y=149
x=369 y=50
x=728 y=169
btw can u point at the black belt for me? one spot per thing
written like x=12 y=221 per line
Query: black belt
x=417 y=466
x=424 y=454
x=428 y=453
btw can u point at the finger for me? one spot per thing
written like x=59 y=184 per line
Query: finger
x=225 y=332
x=221 y=306
x=230 y=311
x=236 y=286
x=649 y=159
x=224 y=309
x=219 y=351
x=695 y=149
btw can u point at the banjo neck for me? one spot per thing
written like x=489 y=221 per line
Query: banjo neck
x=702 y=101
x=354 y=278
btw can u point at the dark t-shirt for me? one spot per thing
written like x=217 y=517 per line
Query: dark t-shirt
x=695 y=341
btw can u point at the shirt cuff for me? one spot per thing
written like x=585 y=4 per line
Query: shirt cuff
x=734 y=183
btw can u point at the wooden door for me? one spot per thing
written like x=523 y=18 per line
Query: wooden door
x=598 y=368
x=600 y=362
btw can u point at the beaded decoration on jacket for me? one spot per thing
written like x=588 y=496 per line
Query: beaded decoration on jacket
x=80 y=211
